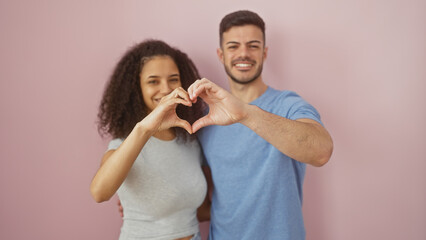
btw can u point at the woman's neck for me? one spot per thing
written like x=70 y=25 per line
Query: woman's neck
x=166 y=135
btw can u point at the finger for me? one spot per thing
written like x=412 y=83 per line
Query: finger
x=120 y=208
x=181 y=101
x=205 y=91
x=191 y=90
x=174 y=98
x=185 y=125
x=196 y=85
x=202 y=122
x=180 y=92
x=203 y=87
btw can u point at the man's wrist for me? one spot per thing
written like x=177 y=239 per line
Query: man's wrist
x=250 y=113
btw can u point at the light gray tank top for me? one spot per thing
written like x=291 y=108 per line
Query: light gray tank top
x=162 y=191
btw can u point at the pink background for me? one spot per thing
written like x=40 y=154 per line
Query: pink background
x=361 y=63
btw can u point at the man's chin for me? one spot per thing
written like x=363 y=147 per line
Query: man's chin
x=240 y=78
x=242 y=81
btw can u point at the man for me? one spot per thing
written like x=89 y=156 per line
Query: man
x=257 y=141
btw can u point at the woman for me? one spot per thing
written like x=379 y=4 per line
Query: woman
x=152 y=162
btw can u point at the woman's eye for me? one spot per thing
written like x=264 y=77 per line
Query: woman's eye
x=152 y=81
x=174 y=80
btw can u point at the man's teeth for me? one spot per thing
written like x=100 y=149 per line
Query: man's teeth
x=243 y=65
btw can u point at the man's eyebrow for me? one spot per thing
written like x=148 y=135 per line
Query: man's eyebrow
x=232 y=42
x=249 y=42
x=254 y=41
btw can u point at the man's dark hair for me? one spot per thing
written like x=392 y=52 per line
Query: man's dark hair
x=241 y=18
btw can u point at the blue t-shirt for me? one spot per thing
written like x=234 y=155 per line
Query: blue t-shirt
x=257 y=189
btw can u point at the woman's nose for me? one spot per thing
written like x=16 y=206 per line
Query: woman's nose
x=165 y=88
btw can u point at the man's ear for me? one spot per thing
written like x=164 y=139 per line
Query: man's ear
x=220 y=54
x=265 y=53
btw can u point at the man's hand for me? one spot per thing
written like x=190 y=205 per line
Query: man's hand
x=224 y=108
x=120 y=208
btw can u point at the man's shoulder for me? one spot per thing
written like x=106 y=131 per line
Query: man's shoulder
x=273 y=95
x=282 y=93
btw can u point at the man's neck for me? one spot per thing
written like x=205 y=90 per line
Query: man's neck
x=248 y=92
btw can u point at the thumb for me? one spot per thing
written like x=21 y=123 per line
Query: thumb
x=202 y=122
x=185 y=125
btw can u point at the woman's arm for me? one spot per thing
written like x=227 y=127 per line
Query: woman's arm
x=116 y=164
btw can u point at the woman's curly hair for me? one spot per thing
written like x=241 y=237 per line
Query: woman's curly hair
x=122 y=105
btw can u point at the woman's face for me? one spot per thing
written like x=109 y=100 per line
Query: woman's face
x=159 y=77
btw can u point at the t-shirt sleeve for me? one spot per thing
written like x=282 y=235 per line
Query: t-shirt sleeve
x=114 y=144
x=294 y=107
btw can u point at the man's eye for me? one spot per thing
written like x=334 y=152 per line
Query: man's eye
x=232 y=47
x=254 y=46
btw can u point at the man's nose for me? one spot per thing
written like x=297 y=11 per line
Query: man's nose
x=244 y=51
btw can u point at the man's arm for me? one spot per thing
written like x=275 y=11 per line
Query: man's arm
x=203 y=212
x=304 y=140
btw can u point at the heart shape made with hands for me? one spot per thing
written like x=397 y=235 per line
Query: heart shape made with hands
x=193 y=114
x=223 y=107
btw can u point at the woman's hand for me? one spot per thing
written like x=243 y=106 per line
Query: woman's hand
x=164 y=114
x=116 y=164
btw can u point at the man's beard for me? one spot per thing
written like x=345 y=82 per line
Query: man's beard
x=240 y=81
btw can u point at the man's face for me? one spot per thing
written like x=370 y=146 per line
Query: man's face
x=242 y=53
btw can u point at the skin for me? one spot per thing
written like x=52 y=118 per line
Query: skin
x=159 y=77
x=242 y=53
x=304 y=140
x=243 y=61
x=162 y=92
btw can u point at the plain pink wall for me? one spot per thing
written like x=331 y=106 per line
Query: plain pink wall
x=361 y=63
